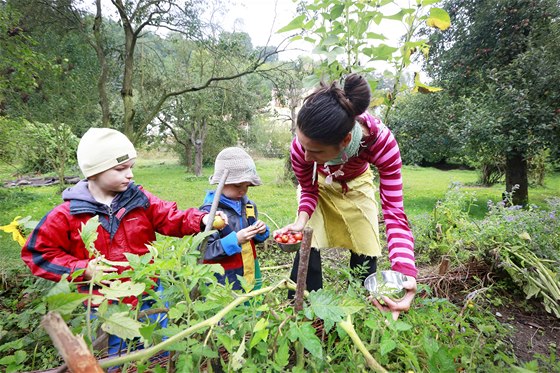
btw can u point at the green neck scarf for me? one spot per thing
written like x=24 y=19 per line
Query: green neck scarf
x=351 y=149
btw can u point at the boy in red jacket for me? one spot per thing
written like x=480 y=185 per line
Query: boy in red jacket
x=129 y=216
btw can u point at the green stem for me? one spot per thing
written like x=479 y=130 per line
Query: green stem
x=300 y=355
x=348 y=327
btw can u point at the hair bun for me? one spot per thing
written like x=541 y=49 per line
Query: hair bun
x=357 y=91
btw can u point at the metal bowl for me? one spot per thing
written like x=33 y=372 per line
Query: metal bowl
x=389 y=284
x=289 y=247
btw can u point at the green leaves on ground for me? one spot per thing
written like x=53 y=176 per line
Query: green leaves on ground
x=332 y=308
x=305 y=333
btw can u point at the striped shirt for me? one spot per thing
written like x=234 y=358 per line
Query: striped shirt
x=382 y=151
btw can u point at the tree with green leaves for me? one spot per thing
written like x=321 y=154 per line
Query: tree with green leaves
x=184 y=20
x=223 y=108
x=20 y=63
x=501 y=56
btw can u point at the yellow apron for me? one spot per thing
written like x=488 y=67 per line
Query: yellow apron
x=347 y=220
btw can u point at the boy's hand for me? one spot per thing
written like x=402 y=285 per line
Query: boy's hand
x=246 y=234
x=221 y=214
x=96 y=268
x=260 y=226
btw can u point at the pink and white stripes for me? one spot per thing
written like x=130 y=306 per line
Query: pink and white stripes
x=384 y=154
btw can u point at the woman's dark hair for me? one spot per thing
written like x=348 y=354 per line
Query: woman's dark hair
x=329 y=113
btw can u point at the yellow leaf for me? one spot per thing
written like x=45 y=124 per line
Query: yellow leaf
x=377 y=102
x=439 y=18
x=423 y=88
x=524 y=236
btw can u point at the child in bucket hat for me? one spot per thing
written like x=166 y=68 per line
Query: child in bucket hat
x=129 y=215
x=233 y=247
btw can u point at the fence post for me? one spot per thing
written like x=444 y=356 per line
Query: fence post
x=304 y=251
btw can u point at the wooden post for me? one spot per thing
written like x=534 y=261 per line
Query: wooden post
x=304 y=251
x=73 y=349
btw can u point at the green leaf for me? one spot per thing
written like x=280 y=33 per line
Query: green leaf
x=261 y=335
x=330 y=306
x=283 y=354
x=227 y=341
x=119 y=289
x=61 y=287
x=381 y=52
x=296 y=23
x=429 y=2
x=177 y=311
x=430 y=345
x=387 y=344
x=438 y=18
x=442 y=361
x=199 y=238
x=401 y=326
x=147 y=331
x=336 y=11
x=310 y=81
x=65 y=303
x=400 y=15
x=375 y=36
x=305 y=333
x=121 y=325
x=88 y=233
x=330 y=40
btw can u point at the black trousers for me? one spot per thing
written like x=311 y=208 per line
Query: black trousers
x=314 y=279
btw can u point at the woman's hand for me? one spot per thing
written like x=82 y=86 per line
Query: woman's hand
x=298 y=226
x=397 y=306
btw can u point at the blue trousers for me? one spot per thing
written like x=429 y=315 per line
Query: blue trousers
x=116 y=345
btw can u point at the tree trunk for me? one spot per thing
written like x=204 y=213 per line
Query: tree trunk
x=516 y=178
x=198 y=157
x=102 y=81
x=188 y=156
x=130 y=37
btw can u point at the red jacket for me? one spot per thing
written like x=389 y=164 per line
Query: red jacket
x=55 y=247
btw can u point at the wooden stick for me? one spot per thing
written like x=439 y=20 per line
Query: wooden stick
x=304 y=251
x=73 y=349
x=195 y=293
x=213 y=210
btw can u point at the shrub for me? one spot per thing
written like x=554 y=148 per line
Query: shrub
x=524 y=242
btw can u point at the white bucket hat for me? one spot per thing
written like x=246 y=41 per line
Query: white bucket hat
x=240 y=165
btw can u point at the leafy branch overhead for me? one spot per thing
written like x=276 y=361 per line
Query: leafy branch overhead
x=348 y=37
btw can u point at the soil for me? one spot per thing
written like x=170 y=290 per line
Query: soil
x=535 y=330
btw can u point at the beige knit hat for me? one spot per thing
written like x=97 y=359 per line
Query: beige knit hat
x=240 y=165
x=103 y=148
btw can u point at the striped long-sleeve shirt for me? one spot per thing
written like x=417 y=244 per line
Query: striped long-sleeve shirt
x=383 y=152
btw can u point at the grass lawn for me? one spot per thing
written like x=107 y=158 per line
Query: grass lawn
x=276 y=197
